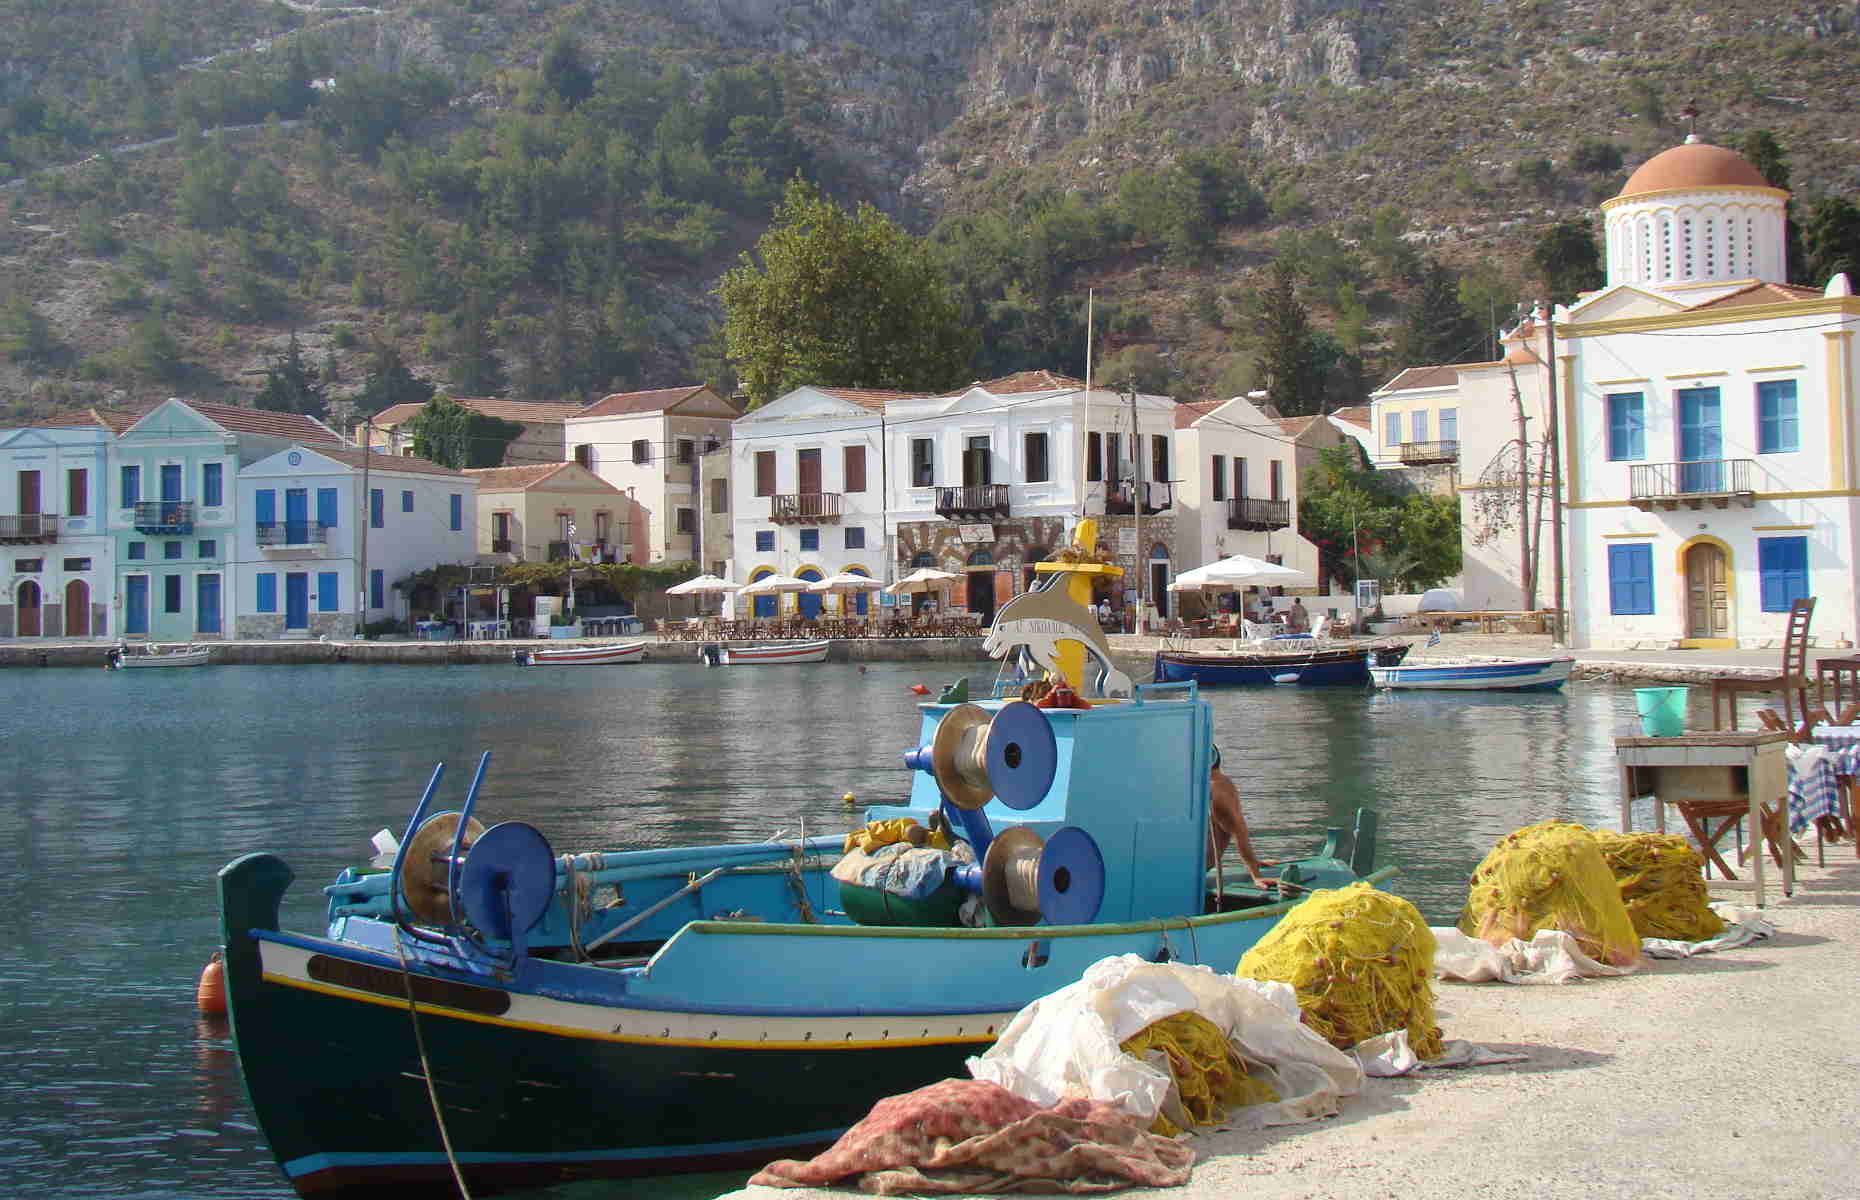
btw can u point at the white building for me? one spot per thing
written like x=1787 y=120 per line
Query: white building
x=57 y=558
x=664 y=448
x=1239 y=486
x=1492 y=396
x=1708 y=412
x=300 y=563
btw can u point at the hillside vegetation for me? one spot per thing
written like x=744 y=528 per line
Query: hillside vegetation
x=539 y=199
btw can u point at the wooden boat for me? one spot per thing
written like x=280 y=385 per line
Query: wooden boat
x=1266 y=664
x=715 y=655
x=1486 y=675
x=118 y=657
x=522 y=1018
x=581 y=656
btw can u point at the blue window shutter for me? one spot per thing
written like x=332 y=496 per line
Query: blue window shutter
x=376 y=508
x=1630 y=580
x=376 y=580
x=211 y=477
x=326 y=598
x=132 y=485
x=458 y=512
x=326 y=507
x=265 y=507
x=406 y=501
x=765 y=541
x=1782 y=572
x=267 y=592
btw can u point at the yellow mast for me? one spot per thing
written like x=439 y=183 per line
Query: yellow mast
x=1080 y=574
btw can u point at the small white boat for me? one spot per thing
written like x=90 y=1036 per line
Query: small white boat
x=581 y=656
x=1481 y=675
x=120 y=659
x=774 y=652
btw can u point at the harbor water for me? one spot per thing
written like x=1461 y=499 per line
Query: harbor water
x=127 y=791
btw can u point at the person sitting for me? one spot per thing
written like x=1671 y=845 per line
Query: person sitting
x=1228 y=824
x=1298 y=620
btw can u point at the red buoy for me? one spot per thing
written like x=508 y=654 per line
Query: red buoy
x=210 y=995
x=919 y=689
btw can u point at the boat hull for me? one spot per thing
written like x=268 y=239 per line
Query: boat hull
x=588 y=656
x=1512 y=675
x=186 y=658
x=1337 y=666
x=794 y=652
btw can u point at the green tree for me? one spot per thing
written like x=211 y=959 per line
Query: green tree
x=1286 y=360
x=1139 y=367
x=1436 y=328
x=1567 y=260
x=565 y=71
x=291 y=384
x=1766 y=155
x=1831 y=241
x=840 y=299
x=389 y=382
x=454 y=436
x=1428 y=533
x=25 y=335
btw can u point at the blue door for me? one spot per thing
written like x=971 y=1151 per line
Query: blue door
x=297 y=516
x=136 y=602
x=297 y=600
x=809 y=602
x=171 y=483
x=1701 y=441
x=207 y=603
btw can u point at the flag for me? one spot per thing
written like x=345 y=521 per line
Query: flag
x=1433 y=639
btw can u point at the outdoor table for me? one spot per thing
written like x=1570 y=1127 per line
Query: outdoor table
x=1724 y=776
x=1835 y=671
x=432 y=631
x=487 y=629
x=1843 y=766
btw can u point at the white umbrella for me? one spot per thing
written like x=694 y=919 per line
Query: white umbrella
x=703 y=585
x=770 y=585
x=1238 y=571
x=845 y=582
x=923 y=579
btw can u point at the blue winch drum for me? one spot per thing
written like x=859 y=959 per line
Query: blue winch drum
x=1022 y=755
x=507 y=880
x=1071 y=878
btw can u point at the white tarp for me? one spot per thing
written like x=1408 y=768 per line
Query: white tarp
x=1554 y=957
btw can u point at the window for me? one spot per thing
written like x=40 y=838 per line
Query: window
x=1782 y=571
x=1219 y=476
x=138 y=550
x=268 y=592
x=1777 y=431
x=603 y=526
x=854 y=473
x=77 y=492
x=265 y=507
x=810 y=539
x=326 y=507
x=687 y=452
x=406 y=501
x=1391 y=429
x=1239 y=478
x=719 y=495
x=584 y=455
x=28 y=566
x=207 y=548
x=1630 y=579
x=923 y=462
x=77 y=564
x=171 y=593
x=1038 y=471
x=456 y=518
x=1113 y=457
x=1417 y=426
x=212 y=485
x=765 y=472
x=377 y=588
x=642 y=452
x=1449 y=424
x=1275 y=476
x=171 y=550
x=1159 y=458
x=1627 y=426
x=1094 y=455
x=977 y=462
x=855 y=537
x=327 y=599
x=564 y=526
x=132 y=486
x=687 y=520
x=765 y=541
x=377 y=508
x=807 y=471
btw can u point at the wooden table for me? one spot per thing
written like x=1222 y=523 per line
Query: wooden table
x=1724 y=776
x=1834 y=670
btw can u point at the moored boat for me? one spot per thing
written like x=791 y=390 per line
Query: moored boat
x=120 y=659
x=1268 y=665
x=717 y=655
x=584 y=656
x=1486 y=675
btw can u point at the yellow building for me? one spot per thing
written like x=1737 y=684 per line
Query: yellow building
x=551 y=511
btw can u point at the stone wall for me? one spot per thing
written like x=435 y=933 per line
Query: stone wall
x=100 y=620
x=6 y=620
x=1012 y=542
x=259 y=625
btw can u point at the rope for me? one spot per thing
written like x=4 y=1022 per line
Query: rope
x=426 y=1067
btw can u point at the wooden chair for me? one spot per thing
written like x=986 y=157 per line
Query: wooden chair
x=1793 y=682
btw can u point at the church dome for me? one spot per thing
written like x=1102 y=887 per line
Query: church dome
x=1694 y=164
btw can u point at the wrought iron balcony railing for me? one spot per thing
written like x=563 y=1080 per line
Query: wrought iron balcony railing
x=1120 y=498
x=1714 y=481
x=1420 y=454
x=561 y=551
x=29 y=529
x=165 y=516
x=283 y=535
x=975 y=500
x=501 y=545
x=1259 y=514
x=804 y=508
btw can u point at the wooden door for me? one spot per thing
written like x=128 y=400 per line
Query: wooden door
x=77 y=609
x=28 y=493
x=29 y=609
x=807 y=471
x=1708 y=600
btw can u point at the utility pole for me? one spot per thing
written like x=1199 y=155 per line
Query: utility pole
x=1525 y=575
x=368 y=512
x=884 y=496
x=1556 y=477
x=1136 y=506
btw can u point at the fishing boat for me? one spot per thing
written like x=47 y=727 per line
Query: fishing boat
x=1267 y=663
x=716 y=654
x=119 y=658
x=581 y=656
x=488 y=1014
x=1483 y=675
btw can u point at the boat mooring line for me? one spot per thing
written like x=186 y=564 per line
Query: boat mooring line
x=419 y=1040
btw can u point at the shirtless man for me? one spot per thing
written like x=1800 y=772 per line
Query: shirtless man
x=1229 y=825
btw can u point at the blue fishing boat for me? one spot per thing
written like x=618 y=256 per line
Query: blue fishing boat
x=1266 y=663
x=1478 y=675
x=487 y=1014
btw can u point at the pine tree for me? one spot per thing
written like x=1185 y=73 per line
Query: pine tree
x=390 y=382
x=1286 y=360
x=1436 y=327
x=1567 y=260
x=292 y=385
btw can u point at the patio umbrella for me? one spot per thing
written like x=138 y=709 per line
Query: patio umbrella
x=703 y=585
x=844 y=584
x=923 y=579
x=770 y=585
x=1238 y=571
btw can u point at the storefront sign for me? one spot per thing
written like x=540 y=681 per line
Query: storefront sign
x=976 y=533
x=1126 y=543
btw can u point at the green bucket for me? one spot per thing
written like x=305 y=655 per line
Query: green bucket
x=1662 y=710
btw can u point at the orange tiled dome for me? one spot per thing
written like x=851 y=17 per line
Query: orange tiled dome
x=1693 y=165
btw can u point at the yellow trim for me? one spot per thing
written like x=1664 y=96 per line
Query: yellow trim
x=1839 y=355
x=1822 y=494
x=1572 y=476
x=1632 y=197
x=1730 y=591
x=1767 y=370
x=1606 y=536
x=590 y=1035
x=1778 y=528
x=1692 y=318
x=1708 y=643
x=1602 y=383
x=1698 y=375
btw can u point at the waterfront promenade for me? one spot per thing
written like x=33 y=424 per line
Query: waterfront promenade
x=1729 y=1075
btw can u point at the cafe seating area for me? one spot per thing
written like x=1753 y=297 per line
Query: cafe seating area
x=882 y=625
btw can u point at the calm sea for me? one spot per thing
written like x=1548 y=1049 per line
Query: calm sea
x=126 y=792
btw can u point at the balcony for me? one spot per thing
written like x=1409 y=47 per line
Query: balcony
x=1424 y=454
x=804 y=508
x=561 y=552
x=1259 y=515
x=1713 y=481
x=502 y=546
x=1120 y=498
x=173 y=518
x=301 y=537
x=33 y=529
x=982 y=500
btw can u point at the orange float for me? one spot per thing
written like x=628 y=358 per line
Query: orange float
x=210 y=994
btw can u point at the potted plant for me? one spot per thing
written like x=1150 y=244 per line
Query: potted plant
x=564 y=625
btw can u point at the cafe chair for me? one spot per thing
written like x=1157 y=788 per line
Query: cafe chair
x=1793 y=682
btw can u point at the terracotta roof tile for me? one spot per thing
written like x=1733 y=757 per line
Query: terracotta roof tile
x=502 y=478
x=517 y=410
x=1188 y=413
x=113 y=419
x=1358 y=415
x=1023 y=381
x=1296 y=426
x=1422 y=377
x=1760 y=293
x=395 y=414
x=387 y=462
x=872 y=398
x=1694 y=164
x=295 y=426
x=621 y=404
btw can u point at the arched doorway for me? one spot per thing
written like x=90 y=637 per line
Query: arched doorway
x=77 y=609
x=981 y=590
x=861 y=601
x=763 y=607
x=1708 y=593
x=28 y=610
x=808 y=602
x=1159 y=578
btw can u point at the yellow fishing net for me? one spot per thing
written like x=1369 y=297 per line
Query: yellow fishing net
x=1361 y=962
x=1209 y=1073
x=873 y=834
x=1551 y=876
x=1662 y=882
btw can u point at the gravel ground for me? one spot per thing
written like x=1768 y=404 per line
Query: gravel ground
x=1735 y=1074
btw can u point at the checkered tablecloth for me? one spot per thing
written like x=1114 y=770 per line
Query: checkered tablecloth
x=1814 y=771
